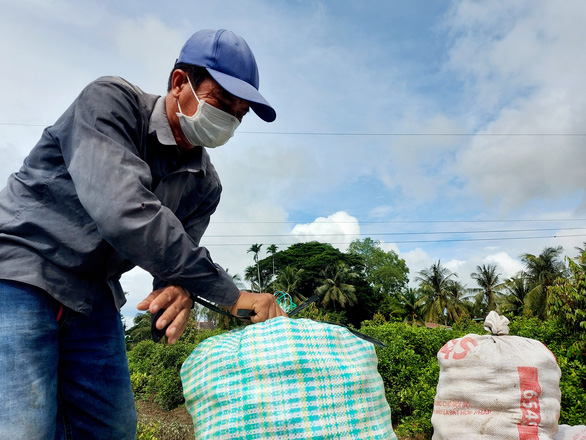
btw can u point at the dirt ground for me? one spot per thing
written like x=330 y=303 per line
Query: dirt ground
x=173 y=425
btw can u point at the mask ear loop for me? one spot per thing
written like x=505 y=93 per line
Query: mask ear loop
x=191 y=87
x=179 y=106
x=192 y=91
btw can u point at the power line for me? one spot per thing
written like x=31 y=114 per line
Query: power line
x=398 y=221
x=317 y=133
x=15 y=124
x=374 y=234
x=417 y=241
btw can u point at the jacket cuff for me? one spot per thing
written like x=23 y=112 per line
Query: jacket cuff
x=224 y=292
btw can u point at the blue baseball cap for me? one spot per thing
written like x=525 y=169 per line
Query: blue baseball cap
x=229 y=60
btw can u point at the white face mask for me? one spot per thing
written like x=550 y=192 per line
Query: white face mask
x=209 y=126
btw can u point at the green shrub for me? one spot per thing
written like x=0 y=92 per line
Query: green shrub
x=147 y=431
x=550 y=333
x=573 y=384
x=420 y=397
x=154 y=371
x=409 y=368
x=155 y=368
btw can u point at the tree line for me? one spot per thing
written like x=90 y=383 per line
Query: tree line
x=366 y=281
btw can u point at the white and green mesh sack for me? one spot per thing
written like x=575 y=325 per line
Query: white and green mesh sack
x=286 y=379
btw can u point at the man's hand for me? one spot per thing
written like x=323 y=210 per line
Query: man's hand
x=263 y=305
x=178 y=304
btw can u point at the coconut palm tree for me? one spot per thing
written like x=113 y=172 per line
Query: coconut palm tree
x=541 y=272
x=288 y=280
x=461 y=305
x=581 y=257
x=438 y=301
x=515 y=292
x=488 y=293
x=407 y=305
x=251 y=275
x=336 y=287
x=255 y=249
x=236 y=278
x=272 y=249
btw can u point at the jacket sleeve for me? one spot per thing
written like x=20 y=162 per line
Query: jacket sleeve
x=99 y=145
x=195 y=225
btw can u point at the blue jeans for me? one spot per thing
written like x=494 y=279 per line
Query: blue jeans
x=63 y=378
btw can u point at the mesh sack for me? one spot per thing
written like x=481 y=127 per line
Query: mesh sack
x=286 y=379
x=496 y=387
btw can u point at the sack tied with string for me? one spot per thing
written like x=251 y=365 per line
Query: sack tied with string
x=496 y=387
x=286 y=379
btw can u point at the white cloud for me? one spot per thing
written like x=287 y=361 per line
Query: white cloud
x=381 y=212
x=138 y=284
x=388 y=247
x=521 y=67
x=146 y=50
x=340 y=229
x=508 y=266
x=454 y=265
x=416 y=260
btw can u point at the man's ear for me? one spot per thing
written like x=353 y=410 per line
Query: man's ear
x=178 y=80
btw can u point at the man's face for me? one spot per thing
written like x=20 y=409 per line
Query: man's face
x=209 y=91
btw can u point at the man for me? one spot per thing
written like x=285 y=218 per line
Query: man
x=121 y=179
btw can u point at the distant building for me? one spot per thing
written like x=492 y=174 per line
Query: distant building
x=434 y=325
x=207 y=325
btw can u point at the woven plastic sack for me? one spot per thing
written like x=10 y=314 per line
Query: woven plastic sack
x=567 y=432
x=496 y=387
x=286 y=379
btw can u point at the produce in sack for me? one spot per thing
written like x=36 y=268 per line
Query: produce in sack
x=286 y=379
x=496 y=387
x=567 y=432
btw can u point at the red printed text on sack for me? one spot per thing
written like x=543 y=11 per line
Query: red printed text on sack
x=528 y=427
x=457 y=408
x=458 y=348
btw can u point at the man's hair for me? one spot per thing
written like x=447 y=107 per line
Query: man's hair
x=196 y=74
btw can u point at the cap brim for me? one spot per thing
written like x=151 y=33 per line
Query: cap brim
x=243 y=90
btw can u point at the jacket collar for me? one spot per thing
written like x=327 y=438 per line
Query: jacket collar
x=195 y=160
x=159 y=124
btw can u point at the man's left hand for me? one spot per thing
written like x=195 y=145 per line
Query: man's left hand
x=178 y=305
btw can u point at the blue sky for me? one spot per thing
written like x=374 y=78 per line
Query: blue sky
x=428 y=125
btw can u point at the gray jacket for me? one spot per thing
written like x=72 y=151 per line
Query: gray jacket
x=100 y=194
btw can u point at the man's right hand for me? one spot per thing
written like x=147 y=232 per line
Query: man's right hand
x=263 y=305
